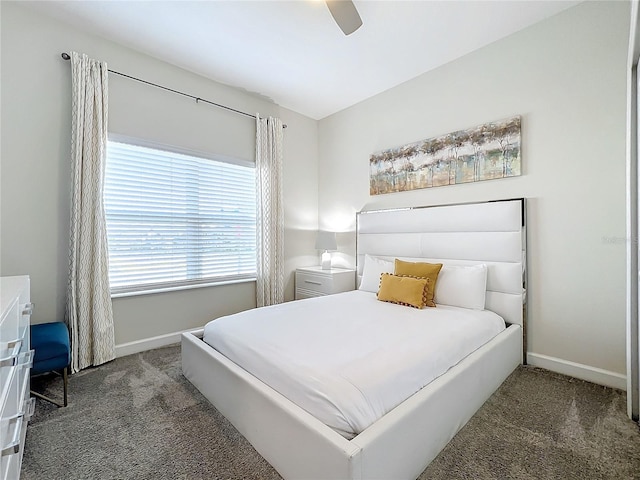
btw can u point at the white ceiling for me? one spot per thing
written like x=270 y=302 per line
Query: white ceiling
x=292 y=51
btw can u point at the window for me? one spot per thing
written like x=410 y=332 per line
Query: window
x=176 y=220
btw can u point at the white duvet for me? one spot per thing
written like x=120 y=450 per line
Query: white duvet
x=348 y=359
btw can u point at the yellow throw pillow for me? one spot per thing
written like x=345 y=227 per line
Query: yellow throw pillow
x=403 y=290
x=421 y=270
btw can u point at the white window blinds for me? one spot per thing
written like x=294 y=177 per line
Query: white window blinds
x=175 y=220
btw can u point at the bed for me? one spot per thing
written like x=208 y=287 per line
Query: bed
x=404 y=440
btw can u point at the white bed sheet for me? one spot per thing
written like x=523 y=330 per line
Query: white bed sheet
x=348 y=359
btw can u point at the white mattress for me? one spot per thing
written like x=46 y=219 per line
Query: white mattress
x=348 y=358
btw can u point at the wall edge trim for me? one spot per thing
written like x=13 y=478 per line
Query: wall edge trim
x=578 y=370
x=144 y=344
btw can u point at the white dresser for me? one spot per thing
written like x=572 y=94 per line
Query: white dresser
x=316 y=282
x=16 y=359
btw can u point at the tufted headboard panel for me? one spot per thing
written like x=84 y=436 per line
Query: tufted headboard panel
x=492 y=233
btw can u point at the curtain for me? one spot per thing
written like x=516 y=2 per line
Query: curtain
x=88 y=311
x=270 y=212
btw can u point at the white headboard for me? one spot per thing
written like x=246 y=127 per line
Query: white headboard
x=492 y=233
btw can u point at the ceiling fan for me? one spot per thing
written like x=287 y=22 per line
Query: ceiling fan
x=345 y=14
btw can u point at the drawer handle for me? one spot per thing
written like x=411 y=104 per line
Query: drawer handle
x=14 y=446
x=27 y=309
x=26 y=359
x=312 y=282
x=12 y=359
x=29 y=407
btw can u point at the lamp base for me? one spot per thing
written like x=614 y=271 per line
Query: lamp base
x=326 y=261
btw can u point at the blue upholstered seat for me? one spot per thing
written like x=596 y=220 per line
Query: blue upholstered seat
x=52 y=352
x=51 y=344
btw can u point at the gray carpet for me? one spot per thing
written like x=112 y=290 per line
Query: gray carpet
x=138 y=418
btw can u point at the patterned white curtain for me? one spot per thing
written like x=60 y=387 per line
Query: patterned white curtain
x=88 y=312
x=270 y=221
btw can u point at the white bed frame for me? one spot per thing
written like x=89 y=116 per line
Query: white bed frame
x=402 y=443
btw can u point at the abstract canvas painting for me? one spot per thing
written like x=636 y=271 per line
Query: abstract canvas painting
x=486 y=152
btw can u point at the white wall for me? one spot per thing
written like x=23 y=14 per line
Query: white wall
x=301 y=194
x=35 y=172
x=566 y=77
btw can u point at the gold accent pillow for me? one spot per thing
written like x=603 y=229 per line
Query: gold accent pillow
x=407 y=291
x=421 y=270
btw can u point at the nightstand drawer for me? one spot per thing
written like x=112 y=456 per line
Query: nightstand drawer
x=315 y=283
x=303 y=293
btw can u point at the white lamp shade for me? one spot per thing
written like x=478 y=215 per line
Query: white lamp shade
x=326 y=241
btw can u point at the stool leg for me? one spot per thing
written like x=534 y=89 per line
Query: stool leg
x=44 y=397
x=66 y=381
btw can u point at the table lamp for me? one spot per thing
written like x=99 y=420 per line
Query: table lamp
x=326 y=241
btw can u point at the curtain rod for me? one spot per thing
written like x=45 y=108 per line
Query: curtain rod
x=66 y=56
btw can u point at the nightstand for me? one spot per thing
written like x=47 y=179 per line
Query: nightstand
x=316 y=282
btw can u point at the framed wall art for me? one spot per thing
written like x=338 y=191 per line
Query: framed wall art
x=486 y=152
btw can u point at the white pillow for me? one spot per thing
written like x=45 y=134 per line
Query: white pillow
x=464 y=287
x=373 y=268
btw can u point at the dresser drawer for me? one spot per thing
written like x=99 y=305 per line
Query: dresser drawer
x=17 y=387
x=9 y=359
x=14 y=416
x=14 y=358
x=10 y=324
x=13 y=440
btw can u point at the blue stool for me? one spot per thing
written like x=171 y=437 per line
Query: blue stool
x=52 y=353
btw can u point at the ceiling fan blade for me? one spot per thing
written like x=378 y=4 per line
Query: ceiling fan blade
x=345 y=14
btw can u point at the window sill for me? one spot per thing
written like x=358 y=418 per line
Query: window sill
x=180 y=287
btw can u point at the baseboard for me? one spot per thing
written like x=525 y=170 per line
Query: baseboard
x=145 y=344
x=578 y=370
